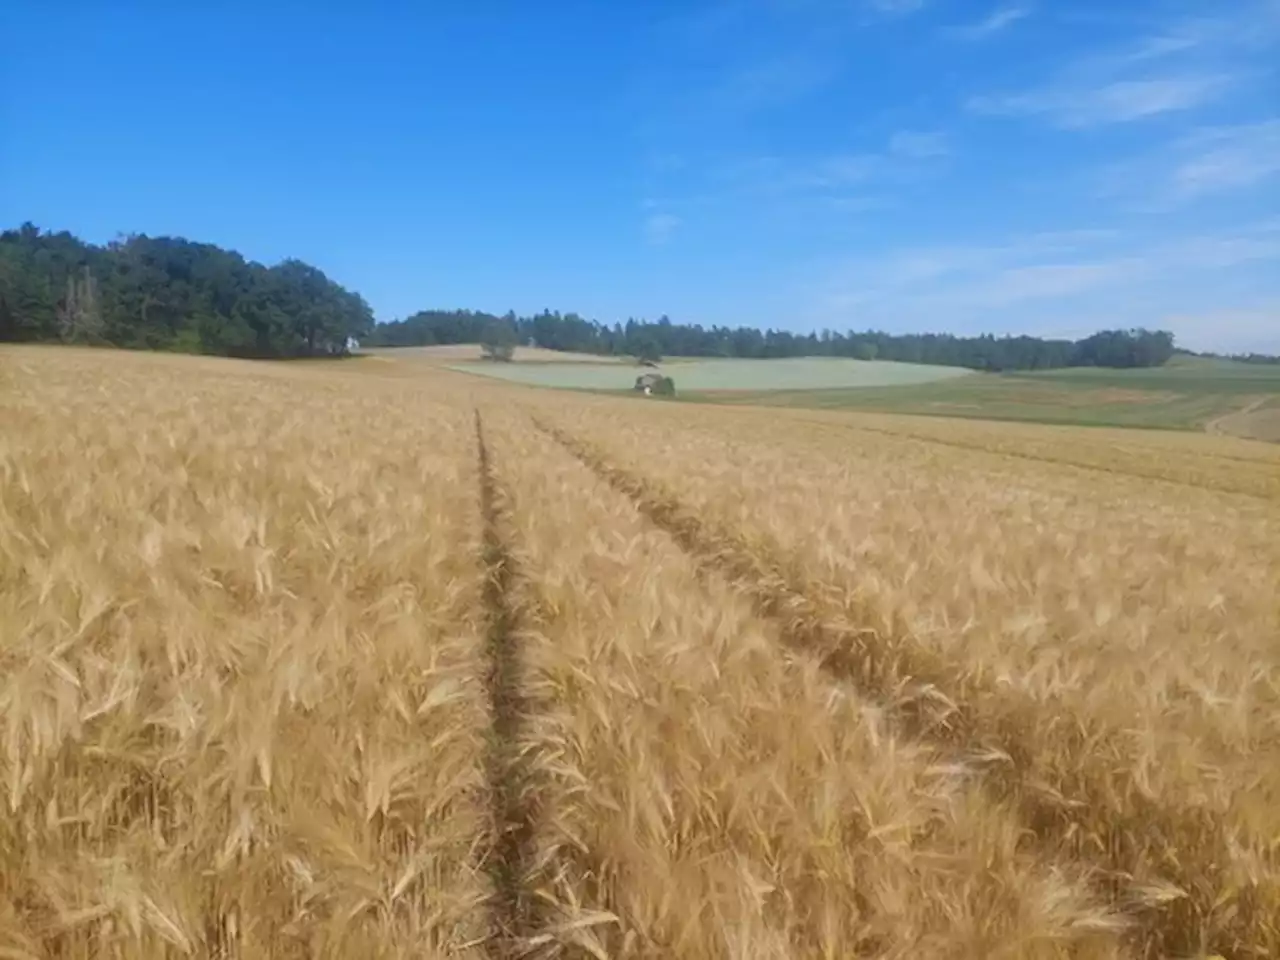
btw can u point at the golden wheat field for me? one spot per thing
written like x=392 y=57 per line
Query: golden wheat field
x=334 y=660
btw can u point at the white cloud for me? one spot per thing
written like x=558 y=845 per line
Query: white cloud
x=1227 y=158
x=1077 y=106
x=1181 y=65
x=1053 y=283
x=1240 y=27
x=994 y=23
x=660 y=227
x=906 y=156
x=984 y=278
x=1204 y=163
x=1222 y=252
x=1238 y=30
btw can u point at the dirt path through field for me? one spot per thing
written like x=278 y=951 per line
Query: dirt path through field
x=1258 y=420
x=515 y=914
x=1218 y=425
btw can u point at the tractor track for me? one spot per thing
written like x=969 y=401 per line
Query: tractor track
x=928 y=702
x=515 y=913
x=1138 y=474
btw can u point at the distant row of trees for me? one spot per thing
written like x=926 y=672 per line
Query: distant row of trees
x=167 y=293
x=652 y=340
x=1256 y=358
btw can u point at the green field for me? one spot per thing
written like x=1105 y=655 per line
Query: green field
x=1188 y=394
x=808 y=373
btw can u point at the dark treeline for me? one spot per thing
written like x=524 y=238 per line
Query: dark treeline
x=651 y=340
x=166 y=293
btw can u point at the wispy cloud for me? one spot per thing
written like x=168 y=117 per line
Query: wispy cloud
x=1076 y=106
x=857 y=204
x=1204 y=163
x=1051 y=281
x=1225 y=250
x=896 y=7
x=908 y=155
x=1046 y=283
x=1030 y=267
x=1227 y=158
x=1248 y=25
x=919 y=145
x=771 y=83
x=659 y=228
x=840 y=171
x=995 y=22
x=727 y=59
x=1180 y=66
x=761 y=70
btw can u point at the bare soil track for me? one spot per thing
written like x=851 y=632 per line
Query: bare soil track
x=1257 y=420
x=513 y=801
x=929 y=701
x=1242 y=489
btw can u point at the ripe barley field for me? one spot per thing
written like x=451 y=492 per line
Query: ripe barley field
x=328 y=661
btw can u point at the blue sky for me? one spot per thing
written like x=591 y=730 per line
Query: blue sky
x=1017 y=166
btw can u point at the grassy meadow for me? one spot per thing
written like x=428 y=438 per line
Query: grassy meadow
x=380 y=659
x=1189 y=394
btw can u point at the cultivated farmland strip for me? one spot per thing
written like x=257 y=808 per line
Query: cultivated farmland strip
x=241 y=708
x=1167 y=866
x=730 y=797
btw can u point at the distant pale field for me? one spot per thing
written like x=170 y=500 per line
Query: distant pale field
x=790 y=374
x=456 y=352
x=347 y=659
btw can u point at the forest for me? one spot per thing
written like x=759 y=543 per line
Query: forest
x=168 y=293
x=656 y=339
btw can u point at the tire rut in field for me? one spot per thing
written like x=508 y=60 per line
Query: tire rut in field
x=1137 y=473
x=929 y=704
x=515 y=915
